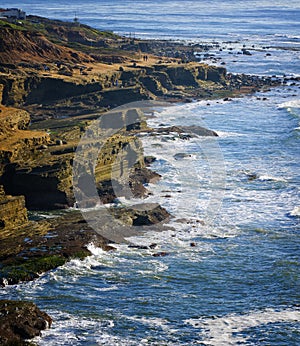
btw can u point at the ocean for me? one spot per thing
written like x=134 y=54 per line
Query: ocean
x=232 y=273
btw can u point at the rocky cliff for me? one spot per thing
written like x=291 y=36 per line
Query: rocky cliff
x=13 y=213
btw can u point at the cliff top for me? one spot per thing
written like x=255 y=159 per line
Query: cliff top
x=42 y=40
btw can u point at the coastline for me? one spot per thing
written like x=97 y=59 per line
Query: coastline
x=47 y=155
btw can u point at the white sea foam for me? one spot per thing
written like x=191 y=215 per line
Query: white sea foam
x=290 y=104
x=150 y=321
x=295 y=212
x=76 y=330
x=218 y=331
x=68 y=329
x=266 y=177
x=224 y=134
x=95 y=250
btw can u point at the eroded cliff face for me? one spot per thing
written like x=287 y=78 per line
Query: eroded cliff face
x=13 y=213
x=16 y=143
x=19 y=90
x=39 y=166
x=113 y=89
x=13 y=119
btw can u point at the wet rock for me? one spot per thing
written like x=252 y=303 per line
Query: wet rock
x=246 y=52
x=142 y=214
x=180 y=156
x=152 y=246
x=149 y=159
x=252 y=176
x=21 y=320
x=48 y=244
x=140 y=247
x=185 y=130
x=143 y=247
x=160 y=254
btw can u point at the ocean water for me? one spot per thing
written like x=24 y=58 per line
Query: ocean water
x=235 y=198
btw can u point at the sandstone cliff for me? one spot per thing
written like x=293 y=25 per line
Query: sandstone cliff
x=13 y=213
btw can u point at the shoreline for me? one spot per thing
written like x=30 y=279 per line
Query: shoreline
x=46 y=155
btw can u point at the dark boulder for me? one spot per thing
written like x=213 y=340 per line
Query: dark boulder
x=21 y=320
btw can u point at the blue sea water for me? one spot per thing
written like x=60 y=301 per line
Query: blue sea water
x=235 y=197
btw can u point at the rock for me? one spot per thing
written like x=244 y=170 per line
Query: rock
x=180 y=156
x=13 y=119
x=152 y=246
x=143 y=247
x=160 y=254
x=48 y=244
x=246 y=52
x=21 y=320
x=149 y=159
x=252 y=176
x=144 y=214
x=185 y=130
x=46 y=184
x=140 y=247
x=37 y=47
x=13 y=213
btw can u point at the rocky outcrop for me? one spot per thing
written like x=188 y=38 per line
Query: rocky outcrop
x=46 y=90
x=184 y=132
x=44 y=245
x=45 y=185
x=20 y=90
x=17 y=144
x=189 y=75
x=141 y=215
x=20 y=320
x=21 y=145
x=13 y=119
x=13 y=213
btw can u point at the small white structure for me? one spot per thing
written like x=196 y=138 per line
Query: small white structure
x=12 y=13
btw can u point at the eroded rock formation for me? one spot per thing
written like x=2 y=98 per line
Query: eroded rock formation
x=21 y=320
